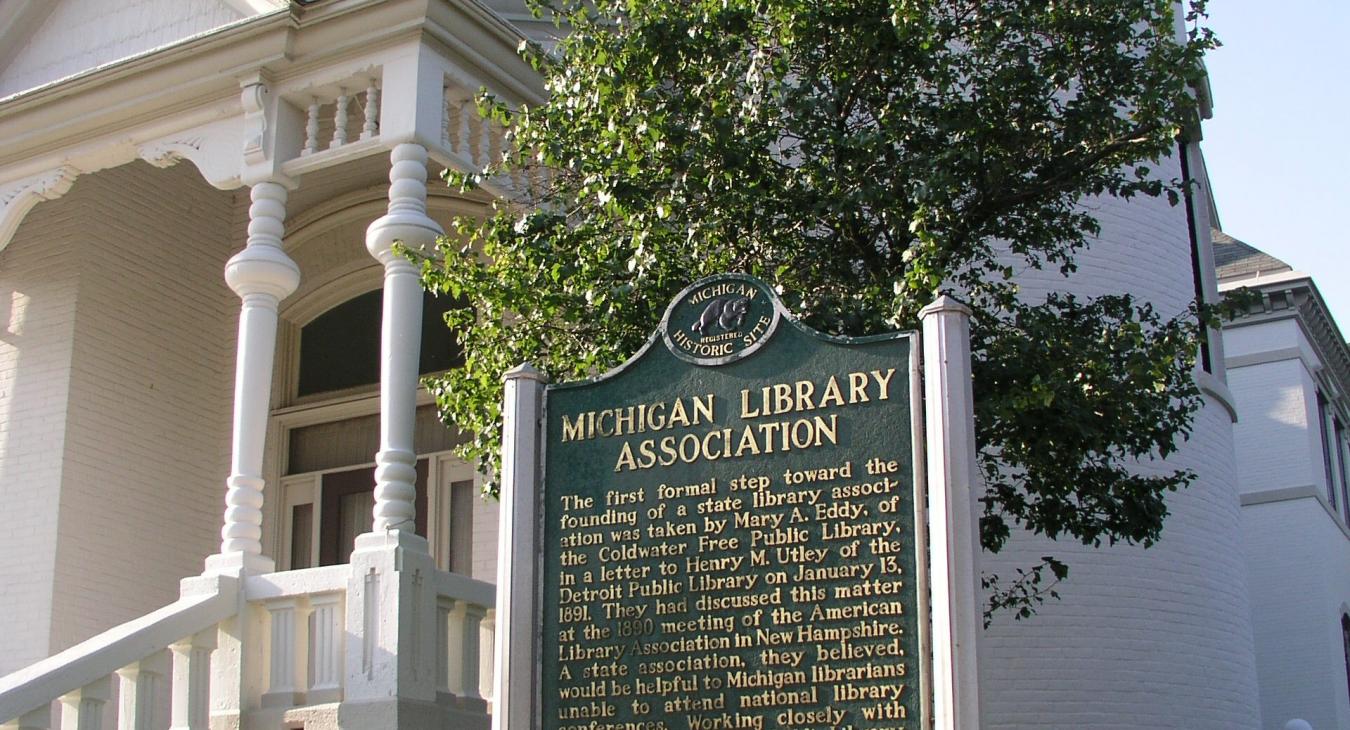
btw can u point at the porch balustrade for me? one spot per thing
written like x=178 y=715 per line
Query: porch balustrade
x=466 y=133
x=476 y=142
x=244 y=646
x=155 y=671
x=342 y=114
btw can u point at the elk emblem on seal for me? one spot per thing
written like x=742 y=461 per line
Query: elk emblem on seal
x=724 y=313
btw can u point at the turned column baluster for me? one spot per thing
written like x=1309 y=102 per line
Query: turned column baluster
x=372 y=111
x=287 y=619
x=475 y=139
x=312 y=128
x=463 y=649
x=494 y=135
x=447 y=114
x=464 y=109
x=340 y=119
x=190 y=696
x=445 y=607
x=325 y=647
x=138 y=691
x=487 y=643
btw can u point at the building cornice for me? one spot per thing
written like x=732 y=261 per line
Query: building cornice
x=1292 y=295
x=1262 y=280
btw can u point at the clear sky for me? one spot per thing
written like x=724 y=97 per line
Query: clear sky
x=1278 y=147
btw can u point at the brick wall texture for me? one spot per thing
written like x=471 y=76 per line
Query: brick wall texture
x=1300 y=573
x=1279 y=440
x=1143 y=638
x=120 y=397
x=37 y=311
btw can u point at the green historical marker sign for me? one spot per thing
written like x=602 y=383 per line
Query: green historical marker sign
x=729 y=530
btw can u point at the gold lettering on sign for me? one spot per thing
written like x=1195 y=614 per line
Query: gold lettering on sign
x=640 y=418
x=777 y=399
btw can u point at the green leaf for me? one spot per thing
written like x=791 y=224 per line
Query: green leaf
x=863 y=167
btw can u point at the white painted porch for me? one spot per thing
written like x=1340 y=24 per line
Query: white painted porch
x=316 y=648
x=295 y=105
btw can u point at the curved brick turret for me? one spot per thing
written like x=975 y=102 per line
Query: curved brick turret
x=1156 y=638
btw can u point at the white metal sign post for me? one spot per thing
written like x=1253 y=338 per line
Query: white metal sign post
x=954 y=545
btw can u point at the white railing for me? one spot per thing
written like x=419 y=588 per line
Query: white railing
x=475 y=141
x=465 y=623
x=81 y=676
x=466 y=133
x=285 y=648
x=340 y=114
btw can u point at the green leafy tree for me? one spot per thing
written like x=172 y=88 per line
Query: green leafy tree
x=863 y=156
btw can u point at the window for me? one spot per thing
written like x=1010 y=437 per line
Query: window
x=1329 y=455
x=302 y=533
x=328 y=493
x=340 y=349
x=463 y=493
x=332 y=432
x=1338 y=444
x=326 y=510
x=1345 y=482
x=347 y=500
x=1345 y=645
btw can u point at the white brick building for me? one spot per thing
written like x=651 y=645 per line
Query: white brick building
x=145 y=146
x=1289 y=370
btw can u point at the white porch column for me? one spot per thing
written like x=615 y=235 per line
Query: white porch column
x=390 y=678
x=406 y=222
x=262 y=275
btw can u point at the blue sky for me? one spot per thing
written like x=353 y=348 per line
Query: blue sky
x=1278 y=147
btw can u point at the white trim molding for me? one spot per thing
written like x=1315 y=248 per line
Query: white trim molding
x=212 y=148
x=1215 y=387
x=254 y=7
x=19 y=197
x=1314 y=492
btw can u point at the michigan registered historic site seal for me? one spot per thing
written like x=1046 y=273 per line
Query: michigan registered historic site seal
x=720 y=319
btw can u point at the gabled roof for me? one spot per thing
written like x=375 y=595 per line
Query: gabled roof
x=1234 y=259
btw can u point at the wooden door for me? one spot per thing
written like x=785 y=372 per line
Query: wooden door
x=348 y=497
